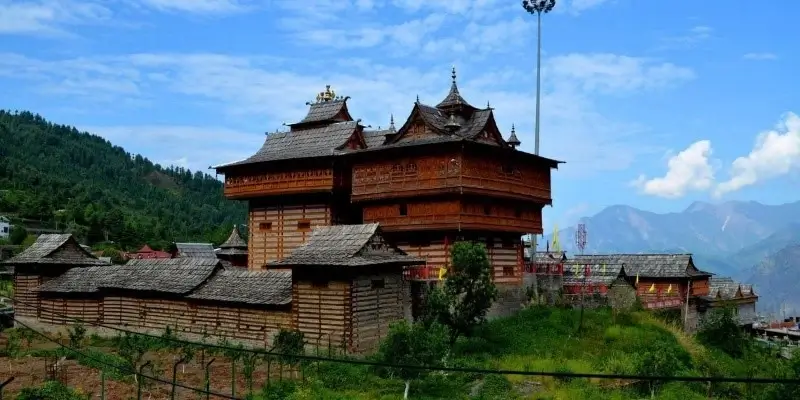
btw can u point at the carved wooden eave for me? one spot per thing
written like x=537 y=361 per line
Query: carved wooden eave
x=416 y=116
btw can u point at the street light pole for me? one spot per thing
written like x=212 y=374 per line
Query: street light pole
x=537 y=7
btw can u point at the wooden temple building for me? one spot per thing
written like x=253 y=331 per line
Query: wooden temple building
x=342 y=287
x=446 y=174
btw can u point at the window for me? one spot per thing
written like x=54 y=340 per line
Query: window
x=508 y=271
x=304 y=225
x=508 y=243
x=378 y=284
x=319 y=284
x=265 y=226
x=403 y=210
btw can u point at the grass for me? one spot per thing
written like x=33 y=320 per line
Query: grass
x=536 y=339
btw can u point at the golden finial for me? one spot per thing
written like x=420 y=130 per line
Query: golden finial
x=326 y=95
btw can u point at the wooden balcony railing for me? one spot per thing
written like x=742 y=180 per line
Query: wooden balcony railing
x=402 y=186
x=448 y=220
x=423 y=273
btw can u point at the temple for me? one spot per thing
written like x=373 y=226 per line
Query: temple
x=447 y=173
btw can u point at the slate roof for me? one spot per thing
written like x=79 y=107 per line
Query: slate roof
x=81 y=280
x=165 y=275
x=648 y=265
x=345 y=245
x=46 y=251
x=323 y=111
x=454 y=99
x=599 y=274
x=726 y=288
x=240 y=285
x=234 y=246
x=313 y=142
x=196 y=250
x=542 y=257
x=376 y=138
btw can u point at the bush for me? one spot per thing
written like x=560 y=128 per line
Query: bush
x=612 y=334
x=721 y=330
x=413 y=345
x=49 y=391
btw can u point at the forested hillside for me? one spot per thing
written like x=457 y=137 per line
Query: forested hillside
x=81 y=183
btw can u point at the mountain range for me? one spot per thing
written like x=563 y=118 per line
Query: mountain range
x=749 y=241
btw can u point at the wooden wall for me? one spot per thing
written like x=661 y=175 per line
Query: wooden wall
x=277 y=230
x=406 y=176
x=243 y=185
x=503 y=176
x=455 y=214
x=321 y=310
x=24 y=291
x=505 y=255
x=377 y=302
x=228 y=320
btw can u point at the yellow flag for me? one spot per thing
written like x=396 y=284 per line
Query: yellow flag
x=652 y=288
x=442 y=271
x=556 y=241
x=669 y=289
x=637 y=279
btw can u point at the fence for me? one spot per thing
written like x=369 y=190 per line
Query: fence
x=171 y=367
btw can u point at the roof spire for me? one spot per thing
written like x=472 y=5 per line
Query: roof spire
x=512 y=139
x=454 y=75
x=488 y=106
x=417 y=99
x=391 y=122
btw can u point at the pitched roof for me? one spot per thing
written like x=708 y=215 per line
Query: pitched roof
x=240 y=285
x=376 y=138
x=648 y=265
x=196 y=250
x=145 y=249
x=55 y=249
x=234 y=241
x=726 y=288
x=347 y=245
x=166 y=275
x=313 y=142
x=323 y=111
x=599 y=274
x=454 y=99
x=543 y=257
x=81 y=280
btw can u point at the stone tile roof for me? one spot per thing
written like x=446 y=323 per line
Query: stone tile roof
x=81 y=280
x=376 y=138
x=234 y=246
x=307 y=143
x=599 y=274
x=347 y=245
x=454 y=99
x=324 y=111
x=542 y=257
x=648 y=265
x=196 y=250
x=165 y=275
x=54 y=249
x=240 y=285
x=726 y=288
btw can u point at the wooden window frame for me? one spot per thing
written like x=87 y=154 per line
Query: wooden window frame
x=264 y=226
x=304 y=225
x=403 y=210
x=378 y=284
x=509 y=271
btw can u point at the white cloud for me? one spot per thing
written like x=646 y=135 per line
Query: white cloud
x=760 y=56
x=689 y=170
x=197 y=6
x=577 y=6
x=48 y=17
x=688 y=39
x=775 y=153
x=614 y=73
x=272 y=91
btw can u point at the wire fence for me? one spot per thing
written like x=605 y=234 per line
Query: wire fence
x=184 y=369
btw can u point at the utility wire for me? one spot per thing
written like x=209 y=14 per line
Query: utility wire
x=123 y=369
x=706 y=379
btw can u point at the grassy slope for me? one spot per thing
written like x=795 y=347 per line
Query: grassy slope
x=546 y=340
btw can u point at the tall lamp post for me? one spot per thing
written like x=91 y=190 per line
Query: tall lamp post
x=538 y=7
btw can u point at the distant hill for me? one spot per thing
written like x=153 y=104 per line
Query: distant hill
x=81 y=183
x=745 y=240
x=777 y=277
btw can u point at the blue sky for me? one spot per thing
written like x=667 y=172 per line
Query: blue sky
x=653 y=104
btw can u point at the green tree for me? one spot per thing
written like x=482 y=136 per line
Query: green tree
x=659 y=360
x=17 y=235
x=462 y=302
x=720 y=329
x=417 y=345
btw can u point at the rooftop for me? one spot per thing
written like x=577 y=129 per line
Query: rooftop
x=347 y=245
x=55 y=249
x=648 y=265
